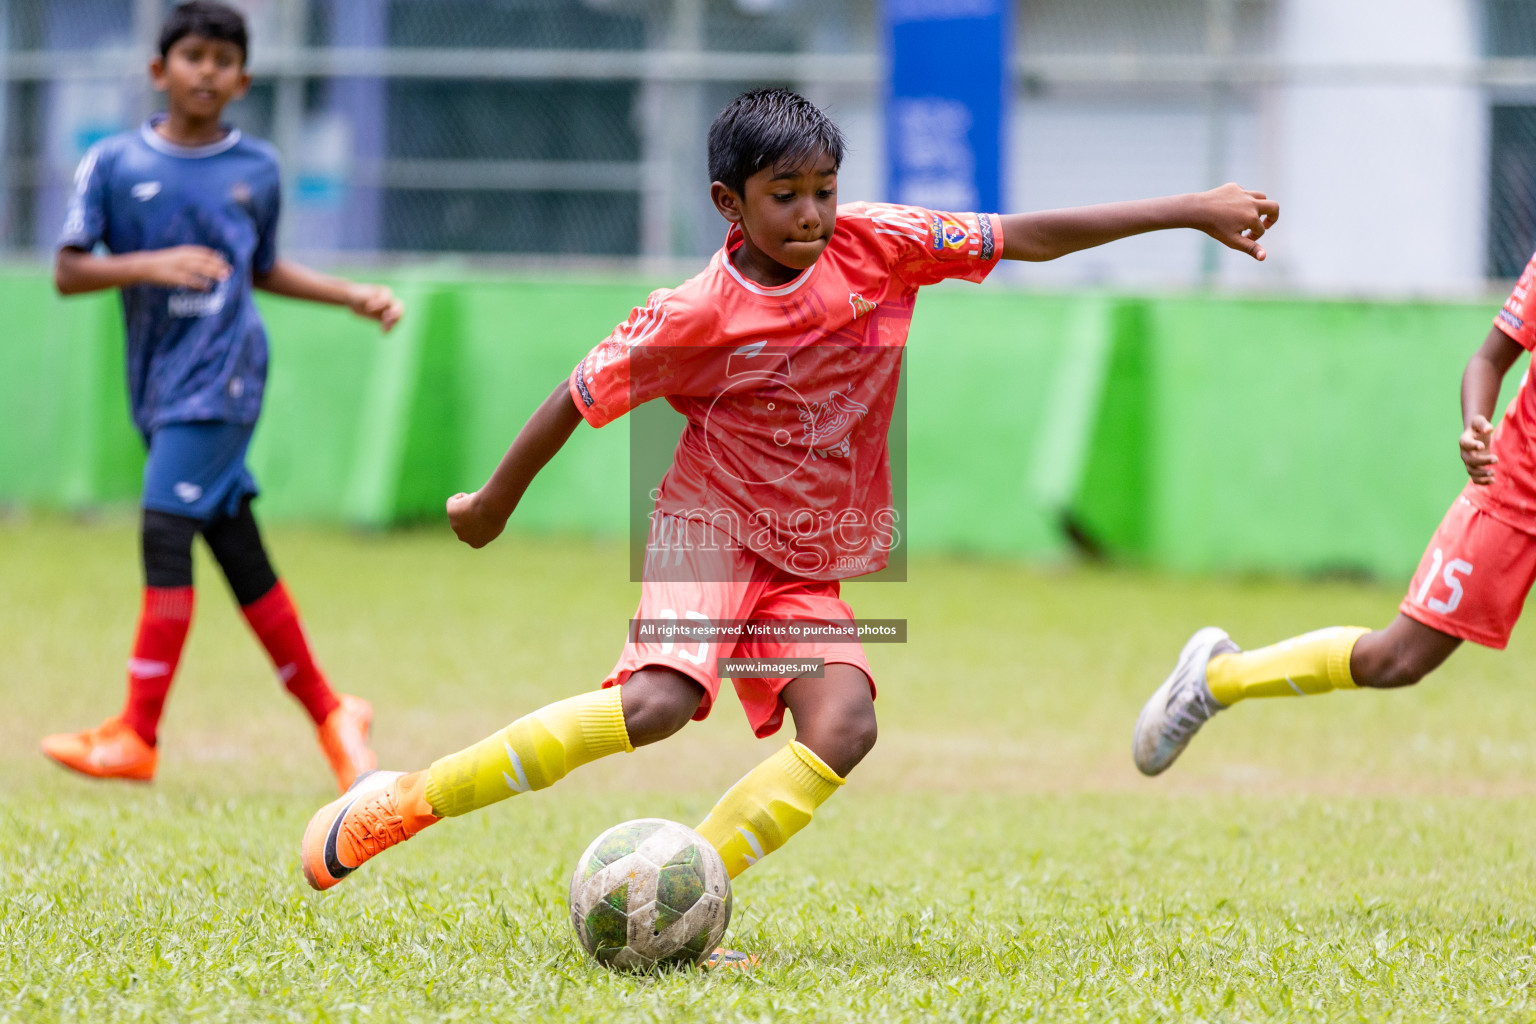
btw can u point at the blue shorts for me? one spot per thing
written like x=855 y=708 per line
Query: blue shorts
x=198 y=470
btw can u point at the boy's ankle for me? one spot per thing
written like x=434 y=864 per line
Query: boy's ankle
x=412 y=803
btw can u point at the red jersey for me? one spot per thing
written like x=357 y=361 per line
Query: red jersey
x=1512 y=495
x=789 y=392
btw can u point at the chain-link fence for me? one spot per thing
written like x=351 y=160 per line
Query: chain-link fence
x=575 y=127
x=508 y=126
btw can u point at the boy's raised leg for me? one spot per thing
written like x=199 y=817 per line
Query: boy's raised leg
x=1212 y=674
x=534 y=752
x=386 y=808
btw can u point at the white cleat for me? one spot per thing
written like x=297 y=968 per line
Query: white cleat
x=1177 y=709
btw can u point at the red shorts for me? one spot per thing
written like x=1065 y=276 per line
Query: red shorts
x=729 y=583
x=1473 y=578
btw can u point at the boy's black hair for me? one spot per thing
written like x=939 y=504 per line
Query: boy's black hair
x=768 y=128
x=209 y=19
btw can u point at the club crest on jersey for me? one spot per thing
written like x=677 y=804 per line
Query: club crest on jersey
x=948 y=233
x=144 y=191
x=861 y=305
x=825 y=420
x=240 y=194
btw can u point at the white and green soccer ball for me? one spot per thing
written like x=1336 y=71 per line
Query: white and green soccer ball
x=650 y=893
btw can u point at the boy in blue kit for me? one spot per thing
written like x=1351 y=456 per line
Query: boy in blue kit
x=187 y=208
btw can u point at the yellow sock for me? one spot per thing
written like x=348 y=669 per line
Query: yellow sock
x=533 y=752
x=1303 y=665
x=771 y=803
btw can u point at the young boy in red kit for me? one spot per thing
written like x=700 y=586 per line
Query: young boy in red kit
x=783 y=355
x=1470 y=585
x=187 y=208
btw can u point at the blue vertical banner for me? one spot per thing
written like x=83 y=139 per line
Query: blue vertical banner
x=946 y=102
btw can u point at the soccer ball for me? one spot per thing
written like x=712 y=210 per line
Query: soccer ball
x=650 y=892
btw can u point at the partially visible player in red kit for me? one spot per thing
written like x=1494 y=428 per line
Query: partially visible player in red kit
x=1470 y=585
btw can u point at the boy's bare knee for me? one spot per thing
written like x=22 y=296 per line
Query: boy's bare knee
x=1394 y=670
x=658 y=702
x=863 y=731
x=840 y=734
x=1378 y=665
x=1400 y=655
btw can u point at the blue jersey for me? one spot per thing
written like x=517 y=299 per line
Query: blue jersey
x=192 y=356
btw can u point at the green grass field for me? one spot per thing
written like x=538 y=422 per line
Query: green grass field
x=1360 y=857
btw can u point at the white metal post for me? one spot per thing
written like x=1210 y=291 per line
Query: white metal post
x=7 y=233
x=1219 y=47
x=147 y=16
x=288 y=102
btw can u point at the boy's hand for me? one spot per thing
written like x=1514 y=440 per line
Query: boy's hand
x=471 y=522
x=1237 y=218
x=184 y=266
x=1476 y=451
x=376 y=302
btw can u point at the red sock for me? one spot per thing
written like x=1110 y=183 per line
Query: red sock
x=275 y=622
x=163 y=622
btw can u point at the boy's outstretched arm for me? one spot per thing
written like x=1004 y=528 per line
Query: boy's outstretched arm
x=296 y=281
x=1479 y=394
x=1230 y=214
x=182 y=266
x=480 y=517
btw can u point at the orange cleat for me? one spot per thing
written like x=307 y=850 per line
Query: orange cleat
x=109 y=751
x=344 y=738
x=380 y=810
x=723 y=959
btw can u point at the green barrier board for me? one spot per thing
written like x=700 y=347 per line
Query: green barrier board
x=1197 y=434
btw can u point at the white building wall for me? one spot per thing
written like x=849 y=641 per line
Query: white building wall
x=1383 y=185
x=1073 y=152
x=1372 y=138
x=1074 y=144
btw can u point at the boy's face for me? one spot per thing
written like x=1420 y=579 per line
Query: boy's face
x=786 y=213
x=199 y=76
